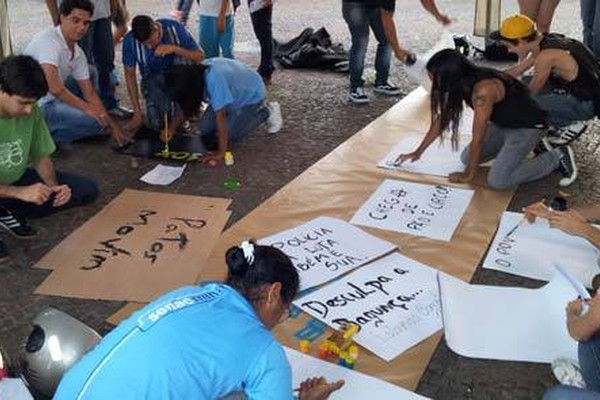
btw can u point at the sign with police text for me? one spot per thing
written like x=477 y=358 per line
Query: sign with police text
x=325 y=248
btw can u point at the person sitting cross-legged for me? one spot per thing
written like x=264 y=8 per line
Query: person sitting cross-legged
x=29 y=185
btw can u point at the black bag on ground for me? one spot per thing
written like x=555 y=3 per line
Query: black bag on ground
x=313 y=49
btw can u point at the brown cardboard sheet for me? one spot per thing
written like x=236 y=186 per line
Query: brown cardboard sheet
x=337 y=186
x=139 y=246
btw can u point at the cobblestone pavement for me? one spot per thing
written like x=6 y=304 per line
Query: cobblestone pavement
x=317 y=119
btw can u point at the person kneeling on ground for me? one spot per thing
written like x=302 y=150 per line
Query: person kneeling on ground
x=151 y=47
x=508 y=123
x=24 y=139
x=236 y=102
x=211 y=341
x=566 y=79
x=72 y=108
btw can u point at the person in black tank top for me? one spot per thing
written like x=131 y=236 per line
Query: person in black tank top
x=566 y=82
x=507 y=126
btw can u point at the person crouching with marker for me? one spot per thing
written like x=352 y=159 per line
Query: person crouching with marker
x=211 y=341
x=507 y=126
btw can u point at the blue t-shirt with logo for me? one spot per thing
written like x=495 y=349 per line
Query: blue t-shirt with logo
x=199 y=342
x=135 y=53
x=230 y=83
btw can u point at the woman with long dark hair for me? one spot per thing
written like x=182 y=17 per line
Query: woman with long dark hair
x=507 y=126
x=211 y=341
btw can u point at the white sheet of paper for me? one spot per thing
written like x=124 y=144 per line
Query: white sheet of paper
x=394 y=300
x=532 y=250
x=439 y=159
x=358 y=386
x=325 y=248
x=163 y=175
x=504 y=323
x=433 y=211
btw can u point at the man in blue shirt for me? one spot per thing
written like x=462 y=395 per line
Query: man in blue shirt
x=154 y=46
x=236 y=100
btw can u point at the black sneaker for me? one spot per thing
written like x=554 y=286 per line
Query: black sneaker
x=3 y=253
x=567 y=134
x=15 y=225
x=358 y=96
x=387 y=89
x=567 y=166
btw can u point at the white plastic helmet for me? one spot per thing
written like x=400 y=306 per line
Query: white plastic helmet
x=56 y=343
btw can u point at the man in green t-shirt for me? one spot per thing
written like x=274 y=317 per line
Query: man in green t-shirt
x=29 y=185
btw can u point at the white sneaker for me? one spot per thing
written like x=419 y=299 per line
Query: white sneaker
x=275 y=121
x=568 y=372
x=567 y=134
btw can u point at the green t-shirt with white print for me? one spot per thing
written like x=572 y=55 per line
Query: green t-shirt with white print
x=22 y=140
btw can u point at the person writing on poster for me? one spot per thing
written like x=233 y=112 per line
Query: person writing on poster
x=575 y=221
x=583 y=326
x=236 y=97
x=211 y=341
x=507 y=125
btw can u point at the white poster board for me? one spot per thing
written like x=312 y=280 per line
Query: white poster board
x=532 y=249
x=504 y=323
x=358 y=386
x=433 y=211
x=325 y=248
x=439 y=159
x=394 y=300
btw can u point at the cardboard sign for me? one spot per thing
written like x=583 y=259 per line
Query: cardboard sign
x=503 y=323
x=357 y=386
x=531 y=250
x=325 y=248
x=433 y=211
x=394 y=300
x=140 y=245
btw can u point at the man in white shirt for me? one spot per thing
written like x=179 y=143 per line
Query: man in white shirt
x=98 y=46
x=70 y=117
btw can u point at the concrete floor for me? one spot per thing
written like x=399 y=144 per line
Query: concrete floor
x=317 y=119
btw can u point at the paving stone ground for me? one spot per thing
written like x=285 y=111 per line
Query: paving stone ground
x=317 y=119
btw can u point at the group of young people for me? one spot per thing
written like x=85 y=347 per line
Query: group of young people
x=49 y=96
x=70 y=95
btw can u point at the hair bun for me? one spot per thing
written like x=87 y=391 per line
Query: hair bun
x=236 y=262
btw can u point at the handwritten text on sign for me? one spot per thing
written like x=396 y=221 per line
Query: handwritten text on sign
x=325 y=248
x=532 y=250
x=174 y=233
x=432 y=211
x=394 y=300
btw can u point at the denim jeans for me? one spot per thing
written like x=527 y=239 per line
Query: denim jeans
x=564 y=109
x=67 y=123
x=240 y=121
x=211 y=40
x=589 y=361
x=83 y=191
x=359 y=17
x=100 y=52
x=158 y=102
x=510 y=147
x=590 y=18
x=263 y=30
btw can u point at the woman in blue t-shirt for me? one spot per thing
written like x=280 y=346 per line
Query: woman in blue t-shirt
x=203 y=342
